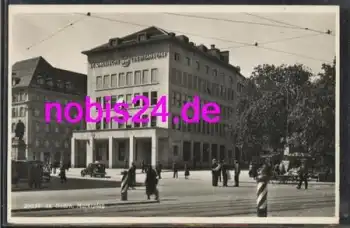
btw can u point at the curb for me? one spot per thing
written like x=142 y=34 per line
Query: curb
x=83 y=206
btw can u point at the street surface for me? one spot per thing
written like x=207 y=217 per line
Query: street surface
x=180 y=197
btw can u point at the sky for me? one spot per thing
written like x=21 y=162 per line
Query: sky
x=47 y=35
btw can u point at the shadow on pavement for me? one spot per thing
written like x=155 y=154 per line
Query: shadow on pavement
x=71 y=184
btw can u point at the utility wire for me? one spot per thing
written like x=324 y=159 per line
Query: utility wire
x=143 y=25
x=55 y=33
x=328 y=32
x=276 y=41
x=214 y=38
x=285 y=25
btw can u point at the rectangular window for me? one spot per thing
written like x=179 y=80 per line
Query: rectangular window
x=99 y=82
x=121 y=79
x=137 y=80
x=129 y=78
x=153 y=121
x=173 y=76
x=190 y=81
x=138 y=103
x=113 y=100
x=184 y=79
x=198 y=66
x=215 y=73
x=98 y=100
x=178 y=77
x=173 y=100
x=154 y=75
x=145 y=94
x=207 y=69
x=144 y=117
x=136 y=125
x=106 y=81
x=154 y=98
x=121 y=151
x=128 y=98
x=177 y=56
x=98 y=125
x=195 y=82
x=114 y=80
x=175 y=150
x=188 y=61
x=105 y=124
x=145 y=76
x=178 y=99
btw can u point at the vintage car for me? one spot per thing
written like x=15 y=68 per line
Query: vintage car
x=94 y=170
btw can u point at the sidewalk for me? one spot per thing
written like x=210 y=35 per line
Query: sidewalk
x=201 y=175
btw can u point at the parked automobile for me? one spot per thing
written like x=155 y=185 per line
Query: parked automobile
x=94 y=170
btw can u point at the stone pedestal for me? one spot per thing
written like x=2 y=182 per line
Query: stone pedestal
x=18 y=149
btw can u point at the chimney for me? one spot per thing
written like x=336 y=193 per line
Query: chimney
x=214 y=51
x=114 y=41
x=212 y=46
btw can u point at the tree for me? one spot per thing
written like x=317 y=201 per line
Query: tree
x=313 y=118
x=264 y=110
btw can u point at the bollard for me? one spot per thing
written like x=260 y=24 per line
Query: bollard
x=124 y=186
x=261 y=196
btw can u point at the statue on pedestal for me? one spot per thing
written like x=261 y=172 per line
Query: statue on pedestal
x=19 y=131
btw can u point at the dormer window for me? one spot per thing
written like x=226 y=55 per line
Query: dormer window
x=40 y=80
x=142 y=37
x=60 y=84
x=49 y=82
x=68 y=85
x=15 y=81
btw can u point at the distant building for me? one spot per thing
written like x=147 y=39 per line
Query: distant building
x=155 y=63
x=34 y=82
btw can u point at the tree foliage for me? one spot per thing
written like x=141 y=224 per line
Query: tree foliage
x=288 y=104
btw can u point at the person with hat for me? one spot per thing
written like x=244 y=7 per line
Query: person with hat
x=215 y=172
x=237 y=172
x=224 y=170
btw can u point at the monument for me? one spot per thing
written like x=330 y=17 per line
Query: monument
x=18 y=144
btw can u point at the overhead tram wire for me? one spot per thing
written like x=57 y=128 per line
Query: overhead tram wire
x=214 y=38
x=55 y=33
x=276 y=41
x=328 y=32
x=285 y=25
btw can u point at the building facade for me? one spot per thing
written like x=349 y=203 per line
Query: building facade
x=154 y=63
x=35 y=82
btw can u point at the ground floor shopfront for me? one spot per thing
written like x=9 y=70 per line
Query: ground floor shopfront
x=118 y=148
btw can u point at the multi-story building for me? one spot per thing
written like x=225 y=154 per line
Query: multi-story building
x=155 y=63
x=34 y=82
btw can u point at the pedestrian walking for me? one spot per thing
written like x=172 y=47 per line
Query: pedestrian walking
x=220 y=171
x=237 y=173
x=215 y=172
x=62 y=174
x=151 y=183
x=143 y=166
x=224 y=170
x=159 y=168
x=175 y=170
x=303 y=175
x=132 y=176
x=187 y=171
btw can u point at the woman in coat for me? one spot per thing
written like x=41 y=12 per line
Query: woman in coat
x=151 y=183
x=187 y=171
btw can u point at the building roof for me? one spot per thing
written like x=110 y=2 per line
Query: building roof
x=155 y=34
x=26 y=70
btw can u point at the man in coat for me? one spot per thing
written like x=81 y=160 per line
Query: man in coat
x=175 y=170
x=159 y=168
x=215 y=172
x=303 y=175
x=237 y=173
x=224 y=170
x=151 y=183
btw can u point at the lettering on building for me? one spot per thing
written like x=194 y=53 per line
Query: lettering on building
x=126 y=61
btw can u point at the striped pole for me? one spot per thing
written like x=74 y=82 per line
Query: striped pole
x=261 y=196
x=124 y=186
